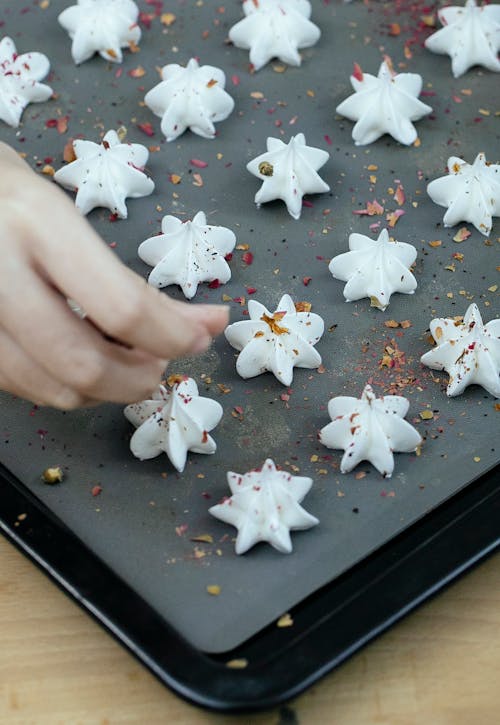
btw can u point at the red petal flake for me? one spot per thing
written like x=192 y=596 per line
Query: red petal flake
x=137 y=72
x=146 y=128
x=357 y=72
x=400 y=196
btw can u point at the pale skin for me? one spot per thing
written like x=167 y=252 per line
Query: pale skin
x=49 y=355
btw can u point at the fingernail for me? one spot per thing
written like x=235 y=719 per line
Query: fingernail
x=201 y=344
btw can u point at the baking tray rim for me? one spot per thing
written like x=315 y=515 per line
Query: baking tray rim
x=370 y=597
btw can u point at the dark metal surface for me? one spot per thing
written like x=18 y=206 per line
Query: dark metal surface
x=142 y=523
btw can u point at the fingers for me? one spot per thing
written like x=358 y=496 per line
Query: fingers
x=117 y=300
x=68 y=350
x=20 y=376
x=8 y=155
x=48 y=354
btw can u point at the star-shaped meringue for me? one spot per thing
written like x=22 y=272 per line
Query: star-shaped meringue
x=187 y=253
x=175 y=420
x=19 y=81
x=101 y=26
x=471 y=36
x=192 y=97
x=275 y=29
x=288 y=171
x=385 y=104
x=265 y=506
x=470 y=191
x=276 y=341
x=375 y=268
x=469 y=352
x=106 y=174
x=369 y=429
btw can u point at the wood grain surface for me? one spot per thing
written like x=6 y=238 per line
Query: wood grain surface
x=441 y=666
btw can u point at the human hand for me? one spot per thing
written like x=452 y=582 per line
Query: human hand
x=48 y=354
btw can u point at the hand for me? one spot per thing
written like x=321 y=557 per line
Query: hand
x=48 y=354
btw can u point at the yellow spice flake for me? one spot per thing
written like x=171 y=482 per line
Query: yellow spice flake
x=237 y=664
x=426 y=414
x=167 y=19
x=53 y=475
x=285 y=621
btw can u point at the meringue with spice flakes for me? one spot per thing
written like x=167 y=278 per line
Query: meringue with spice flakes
x=101 y=26
x=387 y=103
x=288 y=171
x=275 y=29
x=369 y=429
x=187 y=253
x=192 y=97
x=469 y=352
x=276 y=341
x=20 y=77
x=470 y=36
x=265 y=506
x=174 y=421
x=375 y=268
x=470 y=191
x=106 y=174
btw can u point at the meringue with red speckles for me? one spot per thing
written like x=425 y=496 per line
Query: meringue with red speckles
x=471 y=36
x=106 y=174
x=470 y=191
x=288 y=172
x=469 y=352
x=174 y=421
x=101 y=26
x=20 y=77
x=275 y=29
x=190 y=98
x=265 y=506
x=375 y=268
x=187 y=253
x=276 y=341
x=387 y=103
x=369 y=429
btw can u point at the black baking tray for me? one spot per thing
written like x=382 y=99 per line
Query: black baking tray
x=329 y=626
x=381 y=547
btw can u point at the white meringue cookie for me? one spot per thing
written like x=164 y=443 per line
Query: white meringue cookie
x=469 y=352
x=471 y=36
x=375 y=268
x=174 y=421
x=101 y=26
x=19 y=81
x=265 y=506
x=470 y=191
x=369 y=429
x=106 y=174
x=276 y=341
x=288 y=171
x=387 y=103
x=192 y=97
x=275 y=29
x=187 y=253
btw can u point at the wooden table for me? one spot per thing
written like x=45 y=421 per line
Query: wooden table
x=441 y=666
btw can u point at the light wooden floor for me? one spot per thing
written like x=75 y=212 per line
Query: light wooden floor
x=440 y=666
